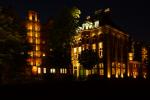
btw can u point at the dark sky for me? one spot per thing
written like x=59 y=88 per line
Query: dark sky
x=132 y=15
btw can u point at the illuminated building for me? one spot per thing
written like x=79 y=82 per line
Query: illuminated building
x=138 y=60
x=33 y=37
x=109 y=42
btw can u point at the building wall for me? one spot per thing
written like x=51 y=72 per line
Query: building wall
x=33 y=37
x=111 y=46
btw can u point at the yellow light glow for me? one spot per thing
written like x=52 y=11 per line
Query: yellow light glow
x=37 y=47
x=94 y=46
x=30 y=17
x=34 y=69
x=52 y=70
x=108 y=75
x=44 y=70
x=122 y=76
x=37 y=41
x=39 y=70
x=79 y=49
x=29 y=26
x=100 y=45
x=75 y=50
x=43 y=54
x=30 y=40
x=130 y=56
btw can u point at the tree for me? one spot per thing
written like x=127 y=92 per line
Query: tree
x=64 y=28
x=88 y=59
x=60 y=37
x=13 y=44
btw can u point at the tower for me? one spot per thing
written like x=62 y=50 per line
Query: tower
x=33 y=37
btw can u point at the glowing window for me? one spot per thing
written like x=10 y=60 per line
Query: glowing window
x=79 y=49
x=29 y=26
x=63 y=70
x=100 y=45
x=34 y=69
x=94 y=47
x=101 y=65
x=44 y=70
x=96 y=24
x=75 y=50
x=37 y=47
x=37 y=41
x=113 y=71
x=52 y=70
x=30 y=17
x=39 y=70
x=130 y=56
x=101 y=71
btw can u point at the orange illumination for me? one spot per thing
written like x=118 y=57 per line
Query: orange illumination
x=108 y=75
x=34 y=69
x=30 y=17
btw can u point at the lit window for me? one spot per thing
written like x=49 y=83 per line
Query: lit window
x=100 y=45
x=96 y=24
x=37 y=47
x=30 y=40
x=113 y=71
x=75 y=50
x=101 y=65
x=100 y=49
x=44 y=70
x=29 y=26
x=30 y=17
x=101 y=71
x=39 y=70
x=34 y=69
x=37 y=41
x=52 y=70
x=29 y=34
x=63 y=70
x=36 y=18
x=130 y=56
x=79 y=49
x=94 y=47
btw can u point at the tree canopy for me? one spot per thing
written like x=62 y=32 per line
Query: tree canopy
x=88 y=58
x=12 y=42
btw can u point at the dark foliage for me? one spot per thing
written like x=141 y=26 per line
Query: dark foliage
x=88 y=58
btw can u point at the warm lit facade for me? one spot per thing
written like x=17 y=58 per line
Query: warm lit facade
x=109 y=43
x=138 y=60
x=33 y=37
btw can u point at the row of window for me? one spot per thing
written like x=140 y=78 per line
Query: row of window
x=52 y=70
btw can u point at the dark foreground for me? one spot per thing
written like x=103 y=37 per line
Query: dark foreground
x=74 y=90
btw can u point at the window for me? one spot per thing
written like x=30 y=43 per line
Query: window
x=52 y=70
x=101 y=67
x=130 y=56
x=96 y=24
x=63 y=70
x=94 y=47
x=100 y=46
x=75 y=50
x=79 y=49
x=44 y=70
x=39 y=70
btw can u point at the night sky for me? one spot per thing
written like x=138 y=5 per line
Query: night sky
x=132 y=15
